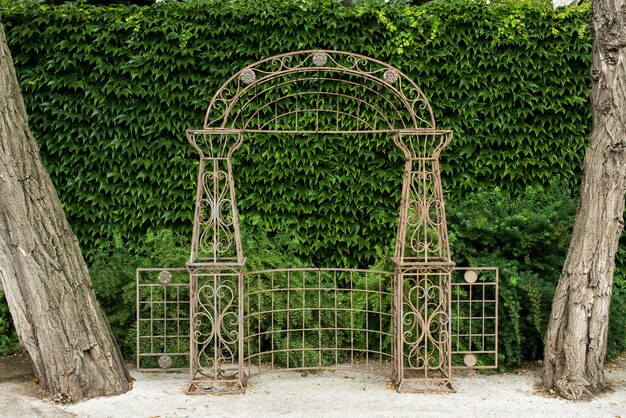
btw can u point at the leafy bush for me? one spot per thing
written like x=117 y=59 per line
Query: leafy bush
x=9 y=343
x=527 y=237
x=114 y=267
x=113 y=275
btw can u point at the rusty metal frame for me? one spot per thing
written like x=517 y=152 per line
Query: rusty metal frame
x=423 y=268
x=317 y=308
x=470 y=350
x=216 y=355
x=162 y=318
x=425 y=305
x=474 y=319
x=242 y=101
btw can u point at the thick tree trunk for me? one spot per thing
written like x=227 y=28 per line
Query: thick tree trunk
x=47 y=286
x=576 y=340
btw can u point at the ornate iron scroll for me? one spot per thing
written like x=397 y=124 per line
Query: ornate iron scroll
x=311 y=91
x=216 y=226
x=215 y=270
x=216 y=357
x=423 y=269
x=422 y=230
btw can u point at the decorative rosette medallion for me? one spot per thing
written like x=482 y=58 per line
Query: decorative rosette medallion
x=165 y=362
x=320 y=59
x=391 y=76
x=247 y=76
x=165 y=277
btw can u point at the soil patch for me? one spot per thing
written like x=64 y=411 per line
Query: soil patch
x=17 y=366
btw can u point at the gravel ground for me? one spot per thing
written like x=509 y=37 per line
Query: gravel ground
x=328 y=394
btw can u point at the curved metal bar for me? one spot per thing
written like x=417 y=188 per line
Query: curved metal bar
x=308 y=63
x=296 y=95
x=331 y=94
x=402 y=98
x=328 y=318
x=339 y=113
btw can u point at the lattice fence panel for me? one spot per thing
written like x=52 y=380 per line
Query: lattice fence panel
x=318 y=318
x=475 y=318
x=162 y=319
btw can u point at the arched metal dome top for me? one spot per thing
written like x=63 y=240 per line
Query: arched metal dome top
x=320 y=91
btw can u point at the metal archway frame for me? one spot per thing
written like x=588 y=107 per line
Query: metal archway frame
x=406 y=317
x=233 y=105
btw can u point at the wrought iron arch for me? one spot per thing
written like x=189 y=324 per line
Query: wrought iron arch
x=319 y=82
x=318 y=92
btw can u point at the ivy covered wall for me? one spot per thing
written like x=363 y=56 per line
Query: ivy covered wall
x=111 y=90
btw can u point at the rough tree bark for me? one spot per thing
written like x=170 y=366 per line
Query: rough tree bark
x=576 y=339
x=57 y=317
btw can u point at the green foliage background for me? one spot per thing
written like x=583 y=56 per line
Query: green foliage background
x=111 y=90
x=8 y=340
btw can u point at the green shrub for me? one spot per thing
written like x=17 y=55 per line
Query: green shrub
x=114 y=267
x=9 y=343
x=527 y=237
x=113 y=275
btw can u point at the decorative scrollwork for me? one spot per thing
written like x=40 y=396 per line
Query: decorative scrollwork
x=227 y=108
x=414 y=328
x=416 y=356
x=435 y=212
x=216 y=242
x=211 y=177
x=426 y=322
x=438 y=326
x=425 y=234
x=216 y=325
x=203 y=328
x=216 y=235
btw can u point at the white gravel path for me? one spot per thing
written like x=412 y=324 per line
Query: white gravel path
x=325 y=394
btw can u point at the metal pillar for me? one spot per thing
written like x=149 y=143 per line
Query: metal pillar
x=422 y=269
x=216 y=270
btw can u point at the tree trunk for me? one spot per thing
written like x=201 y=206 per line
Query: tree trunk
x=57 y=317
x=576 y=340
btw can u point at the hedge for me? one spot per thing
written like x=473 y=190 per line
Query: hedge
x=111 y=90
